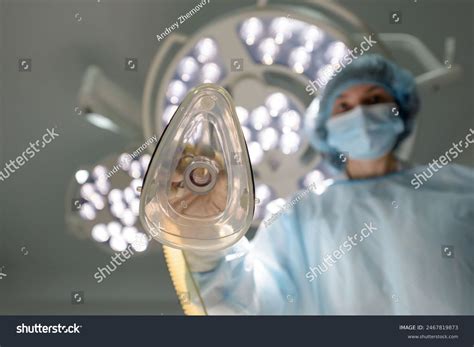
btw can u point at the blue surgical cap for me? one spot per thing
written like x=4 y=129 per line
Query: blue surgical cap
x=368 y=69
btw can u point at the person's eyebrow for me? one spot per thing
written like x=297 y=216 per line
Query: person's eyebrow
x=374 y=88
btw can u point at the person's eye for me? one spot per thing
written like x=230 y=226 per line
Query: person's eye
x=374 y=99
x=343 y=107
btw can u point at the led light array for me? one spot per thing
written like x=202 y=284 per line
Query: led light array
x=118 y=206
x=302 y=47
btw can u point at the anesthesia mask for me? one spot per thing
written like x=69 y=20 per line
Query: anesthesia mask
x=198 y=192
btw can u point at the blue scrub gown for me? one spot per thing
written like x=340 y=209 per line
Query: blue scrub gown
x=401 y=251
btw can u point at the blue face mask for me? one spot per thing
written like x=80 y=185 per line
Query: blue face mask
x=365 y=132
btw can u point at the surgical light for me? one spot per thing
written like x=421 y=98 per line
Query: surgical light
x=144 y=161
x=99 y=233
x=260 y=118
x=140 y=243
x=128 y=218
x=109 y=208
x=125 y=160
x=289 y=142
x=210 y=73
x=136 y=170
x=114 y=228
x=87 y=211
x=268 y=138
x=188 y=69
x=176 y=91
x=281 y=29
x=129 y=194
x=98 y=201
x=115 y=195
x=102 y=122
x=129 y=234
x=247 y=134
x=82 y=176
x=276 y=103
x=265 y=60
x=336 y=52
x=206 y=50
x=168 y=113
x=99 y=172
x=256 y=152
x=263 y=192
x=251 y=30
x=268 y=50
x=87 y=190
x=118 y=244
x=102 y=185
x=311 y=38
x=290 y=121
x=299 y=59
x=243 y=115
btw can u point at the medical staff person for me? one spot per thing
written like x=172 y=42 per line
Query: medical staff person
x=371 y=243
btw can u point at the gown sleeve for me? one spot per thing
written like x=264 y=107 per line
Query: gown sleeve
x=251 y=277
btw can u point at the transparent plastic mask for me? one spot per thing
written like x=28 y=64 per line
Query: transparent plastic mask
x=198 y=192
